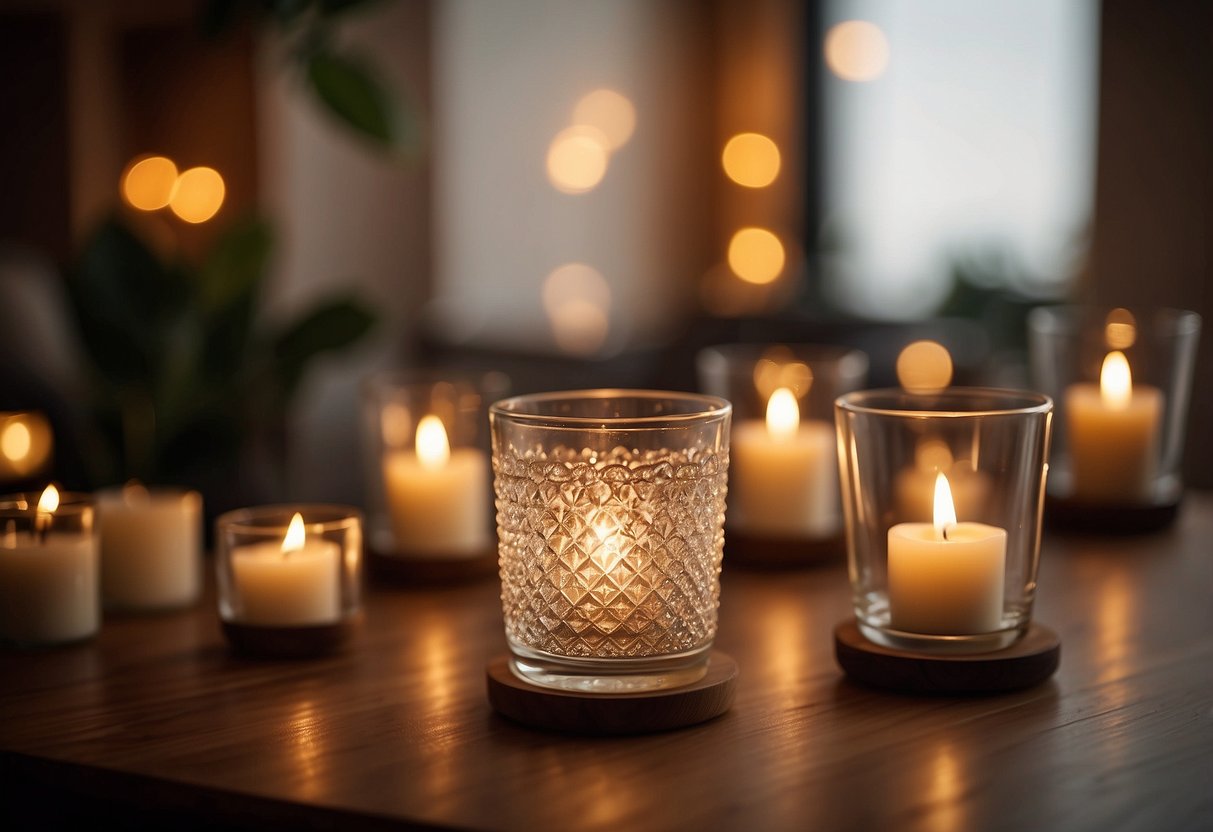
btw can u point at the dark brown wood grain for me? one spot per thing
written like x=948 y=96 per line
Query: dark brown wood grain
x=158 y=719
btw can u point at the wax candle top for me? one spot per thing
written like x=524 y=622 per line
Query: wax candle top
x=433 y=447
x=783 y=415
x=135 y=494
x=1116 y=381
x=945 y=507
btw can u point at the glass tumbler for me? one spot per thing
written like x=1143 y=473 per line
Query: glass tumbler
x=784 y=506
x=610 y=512
x=1122 y=380
x=943 y=496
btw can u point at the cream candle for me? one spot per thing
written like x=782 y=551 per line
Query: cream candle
x=151 y=547
x=945 y=577
x=1112 y=430
x=293 y=583
x=438 y=496
x=784 y=473
x=48 y=579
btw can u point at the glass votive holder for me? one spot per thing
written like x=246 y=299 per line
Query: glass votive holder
x=784 y=506
x=610 y=512
x=427 y=470
x=1122 y=380
x=942 y=495
x=151 y=547
x=49 y=588
x=290 y=577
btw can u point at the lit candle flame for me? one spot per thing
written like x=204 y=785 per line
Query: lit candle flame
x=1116 y=381
x=49 y=501
x=433 y=448
x=783 y=415
x=945 y=509
x=295 y=535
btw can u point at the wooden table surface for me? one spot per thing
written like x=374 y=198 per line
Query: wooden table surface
x=155 y=720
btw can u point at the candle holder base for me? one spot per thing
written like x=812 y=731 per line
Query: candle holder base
x=760 y=552
x=1068 y=514
x=287 y=642
x=598 y=714
x=1029 y=661
x=401 y=569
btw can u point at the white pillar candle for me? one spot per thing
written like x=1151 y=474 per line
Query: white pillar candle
x=292 y=583
x=784 y=473
x=1112 y=430
x=151 y=547
x=438 y=497
x=946 y=578
x=49 y=590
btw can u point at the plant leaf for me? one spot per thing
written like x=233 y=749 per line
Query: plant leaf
x=336 y=323
x=236 y=266
x=353 y=95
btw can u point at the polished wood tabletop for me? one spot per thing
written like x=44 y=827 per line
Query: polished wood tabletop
x=156 y=721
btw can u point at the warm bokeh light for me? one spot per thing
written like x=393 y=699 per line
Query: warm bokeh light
x=609 y=112
x=945 y=507
x=856 y=50
x=932 y=455
x=1120 y=331
x=295 y=536
x=756 y=255
x=577 y=159
x=577 y=299
x=148 y=182
x=751 y=159
x=16 y=441
x=397 y=425
x=924 y=367
x=433 y=447
x=783 y=415
x=25 y=444
x=1116 y=381
x=198 y=195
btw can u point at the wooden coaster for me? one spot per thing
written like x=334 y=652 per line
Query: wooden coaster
x=287 y=642
x=1029 y=661
x=612 y=714
x=751 y=551
x=1072 y=515
x=410 y=569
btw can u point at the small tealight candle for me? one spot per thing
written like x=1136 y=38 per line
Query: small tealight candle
x=437 y=495
x=48 y=575
x=151 y=547
x=946 y=578
x=1112 y=431
x=295 y=582
x=784 y=473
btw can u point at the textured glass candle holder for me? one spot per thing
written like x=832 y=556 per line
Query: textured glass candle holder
x=919 y=579
x=426 y=461
x=1117 y=456
x=610 y=511
x=290 y=577
x=50 y=590
x=784 y=507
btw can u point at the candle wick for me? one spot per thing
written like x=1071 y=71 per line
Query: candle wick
x=945 y=532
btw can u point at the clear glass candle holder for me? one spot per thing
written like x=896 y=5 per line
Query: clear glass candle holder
x=49 y=569
x=289 y=577
x=1122 y=380
x=784 y=502
x=943 y=498
x=610 y=513
x=427 y=468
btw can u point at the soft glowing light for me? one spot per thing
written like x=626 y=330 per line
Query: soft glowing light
x=25 y=443
x=945 y=509
x=147 y=183
x=397 y=425
x=49 y=501
x=15 y=441
x=1116 y=381
x=924 y=367
x=609 y=112
x=1120 y=331
x=577 y=299
x=198 y=195
x=856 y=50
x=611 y=543
x=783 y=415
x=932 y=455
x=433 y=447
x=756 y=255
x=135 y=493
x=295 y=536
x=577 y=159
x=751 y=159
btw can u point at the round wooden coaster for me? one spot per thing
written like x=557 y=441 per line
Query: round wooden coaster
x=612 y=714
x=1029 y=661
x=409 y=569
x=287 y=642
x=751 y=551
x=1072 y=515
